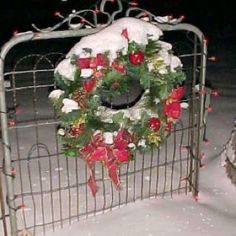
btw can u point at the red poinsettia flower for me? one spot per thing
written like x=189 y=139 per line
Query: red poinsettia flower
x=118 y=66
x=177 y=93
x=172 y=110
x=89 y=84
x=154 y=123
x=136 y=58
x=125 y=33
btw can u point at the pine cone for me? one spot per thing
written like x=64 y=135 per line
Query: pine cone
x=80 y=96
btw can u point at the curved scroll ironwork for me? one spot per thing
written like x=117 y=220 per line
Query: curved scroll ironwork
x=142 y=13
x=80 y=15
x=83 y=22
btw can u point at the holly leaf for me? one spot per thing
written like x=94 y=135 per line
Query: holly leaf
x=152 y=47
x=146 y=80
x=111 y=77
x=163 y=91
x=72 y=152
x=118 y=117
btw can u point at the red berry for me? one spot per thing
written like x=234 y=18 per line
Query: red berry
x=118 y=66
x=75 y=131
x=136 y=58
x=115 y=85
x=154 y=123
x=172 y=110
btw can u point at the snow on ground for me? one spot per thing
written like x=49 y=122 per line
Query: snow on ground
x=214 y=213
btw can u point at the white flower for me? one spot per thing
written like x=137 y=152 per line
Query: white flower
x=163 y=71
x=66 y=69
x=55 y=94
x=69 y=105
x=108 y=120
x=61 y=132
x=132 y=145
x=86 y=73
x=174 y=63
x=136 y=114
x=150 y=67
x=157 y=100
x=142 y=143
x=108 y=137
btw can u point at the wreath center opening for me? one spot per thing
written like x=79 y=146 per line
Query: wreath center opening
x=127 y=99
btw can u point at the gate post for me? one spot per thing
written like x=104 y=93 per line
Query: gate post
x=2 y=206
x=6 y=152
x=200 y=121
x=197 y=108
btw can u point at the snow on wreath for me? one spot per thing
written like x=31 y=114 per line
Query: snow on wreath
x=105 y=64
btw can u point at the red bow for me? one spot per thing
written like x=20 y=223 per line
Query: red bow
x=110 y=155
x=92 y=62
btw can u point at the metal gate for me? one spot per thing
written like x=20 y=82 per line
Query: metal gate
x=45 y=189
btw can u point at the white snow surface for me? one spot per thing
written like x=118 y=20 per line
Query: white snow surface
x=213 y=215
x=66 y=69
x=111 y=37
x=69 y=105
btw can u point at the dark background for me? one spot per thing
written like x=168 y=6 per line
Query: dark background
x=216 y=20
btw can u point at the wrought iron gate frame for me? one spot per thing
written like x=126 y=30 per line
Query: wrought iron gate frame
x=45 y=35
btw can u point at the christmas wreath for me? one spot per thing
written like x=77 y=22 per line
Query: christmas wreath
x=103 y=66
